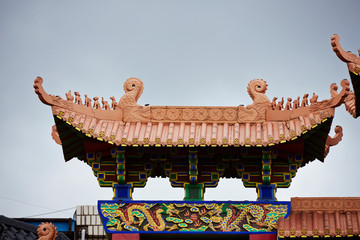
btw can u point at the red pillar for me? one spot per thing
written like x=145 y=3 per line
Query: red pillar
x=262 y=237
x=123 y=236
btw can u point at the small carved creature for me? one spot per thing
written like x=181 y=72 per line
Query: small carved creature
x=314 y=99
x=113 y=102
x=288 y=104
x=96 y=103
x=69 y=97
x=280 y=104
x=305 y=102
x=47 y=231
x=78 y=98
x=273 y=103
x=296 y=103
x=105 y=104
x=87 y=101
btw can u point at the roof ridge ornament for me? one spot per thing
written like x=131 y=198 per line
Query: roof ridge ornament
x=353 y=61
x=352 y=101
x=132 y=111
x=47 y=231
x=332 y=141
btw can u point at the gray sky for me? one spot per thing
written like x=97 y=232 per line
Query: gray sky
x=187 y=53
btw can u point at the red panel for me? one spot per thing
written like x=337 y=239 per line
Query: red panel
x=262 y=237
x=123 y=236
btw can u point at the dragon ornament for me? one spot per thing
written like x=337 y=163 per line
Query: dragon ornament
x=47 y=231
x=255 y=111
x=265 y=217
x=133 y=88
x=136 y=214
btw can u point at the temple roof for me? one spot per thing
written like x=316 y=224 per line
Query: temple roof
x=260 y=124
x=321 y=217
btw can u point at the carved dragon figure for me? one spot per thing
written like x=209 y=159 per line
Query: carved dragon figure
x=127 y=217
x=133 y=88
x=256 y=89
x=263 y=216
x=47 y=231
x=255 y=111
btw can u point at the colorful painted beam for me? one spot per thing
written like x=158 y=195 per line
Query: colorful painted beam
x=175 y=217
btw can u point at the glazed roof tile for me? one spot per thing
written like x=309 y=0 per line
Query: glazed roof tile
x=193 y=133
x=321 y=217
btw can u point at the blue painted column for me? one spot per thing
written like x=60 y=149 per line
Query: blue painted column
x=123 y=191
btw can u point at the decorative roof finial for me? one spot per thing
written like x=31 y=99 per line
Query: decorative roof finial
x=47 y=231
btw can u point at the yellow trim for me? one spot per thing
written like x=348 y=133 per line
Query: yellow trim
x=284 y=141
x=304 y=132
x=68 y=122
x=111 y=142
x=123 y=145
x=314 y=126
x=169 y=145
x=135 y=145
x=100 y=139
x=214 y=145
x=88 y=135
x=180 y=145
x=59 y=117
x=191 y=145
x=78 y=129
x=246 y=145
x=146 y=145
x=157 y=145
x=259 y=145
x=202 y=145
x=294 y=138
x=225 y=145
x=271 y=144
x=324 y=120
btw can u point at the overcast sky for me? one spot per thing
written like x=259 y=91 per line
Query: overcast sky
x=199 y=52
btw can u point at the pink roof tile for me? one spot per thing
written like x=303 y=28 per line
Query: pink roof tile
x=321 y=217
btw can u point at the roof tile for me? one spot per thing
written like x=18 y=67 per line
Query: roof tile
x=321 y=217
